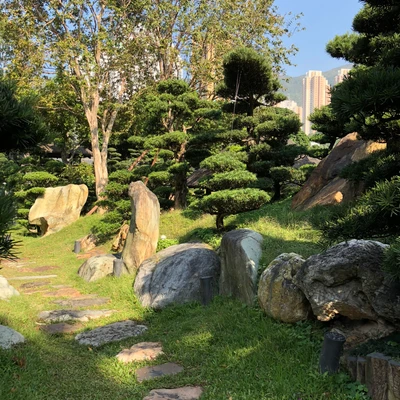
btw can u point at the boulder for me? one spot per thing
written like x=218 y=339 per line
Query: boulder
x=9 y=337
x=97 y=267
x=306 y=160
x=173 y=275
x=325 y=187
x=142 y=238
x=240 y=254
x=119 y=241
x=88 y=242
x=58 y=207
x=278 y=296
x=348 y=280
x=6 y=290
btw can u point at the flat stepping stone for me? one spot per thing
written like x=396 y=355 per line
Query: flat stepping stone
x=9 y=337
x=63 y=292
x=140 y=352
x=146 y=373
x=60 y=328
x=110 y=333
x=44 y=268
x=183 y=393
x=85 y=301
x=31 y=277
x=32 y=285
x=73 y=315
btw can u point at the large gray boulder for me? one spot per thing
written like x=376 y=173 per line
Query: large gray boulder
x=97 y=267
x=347 y=279
x=240 y=253
x=6 y=290
x=9 y=337
x=278 y=296
x=58 y=207
x=173 y=275
x=142 y=238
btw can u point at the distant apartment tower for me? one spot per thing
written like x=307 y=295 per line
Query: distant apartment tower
x=341 y=74
x=293 y=106
x=315 y=95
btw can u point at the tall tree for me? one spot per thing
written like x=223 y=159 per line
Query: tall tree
x=97 y=43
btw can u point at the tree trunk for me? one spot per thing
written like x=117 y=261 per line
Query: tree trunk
x=180 y=198
x=277 y=191
x=220 y=221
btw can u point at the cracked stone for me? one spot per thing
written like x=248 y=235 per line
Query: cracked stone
x=183 y=393
x=156 y=371
x=73 y=315
x=140 y=352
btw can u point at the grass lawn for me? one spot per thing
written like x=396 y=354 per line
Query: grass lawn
x=232 y=350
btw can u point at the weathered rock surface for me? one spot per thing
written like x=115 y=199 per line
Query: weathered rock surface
x=61 y=328
x=156 y=371
x=324 y=185
x=173 y=275
x=347 y=279
x=73 y=315
x=110 y=333
x=119 y=241
x=58 y=207
x=141 y=241
x=6 y=290
x=97 y=267
x=240 y=253
x=183 y=393
x=9 y=337
x=88 y=242
x=278 y=296
x=82 y=302
x=140 y=352
x=306 y=160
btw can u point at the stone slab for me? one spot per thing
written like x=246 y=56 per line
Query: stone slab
x=140 y=352
x=63 y=292
x=82 y=302
x=376 y=375
x=73 y=315
x=361 y=366
x=9 y=337
x=394 y=380
x=183 y=393
x=32 y=285
x=110 y=333
x=156 y=371
x=43 y=268
x=61 y=328
x=31 y=277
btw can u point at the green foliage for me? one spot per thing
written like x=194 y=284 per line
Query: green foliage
x=164 y=243
x=39 y=178
x=229 y=180
x=7 y=215
x=391 y=261
x=223 y=163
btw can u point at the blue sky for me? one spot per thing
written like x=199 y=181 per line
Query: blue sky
x=323 y=20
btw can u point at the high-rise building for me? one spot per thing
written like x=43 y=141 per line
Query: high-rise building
x=315 y=95
x=341 y=74
x=293 y=106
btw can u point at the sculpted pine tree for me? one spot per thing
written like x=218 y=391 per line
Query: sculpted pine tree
x=370 y=97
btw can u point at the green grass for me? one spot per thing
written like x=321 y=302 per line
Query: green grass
x=232 y=350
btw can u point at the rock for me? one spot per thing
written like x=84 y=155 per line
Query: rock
x=140 y=352
x=58 y=207
x=394 y=380
x=361 y=367
x=119 y=241
x=97 y=267
x=376 y=376
x=146 y=373
x=240 y=253
x=173 y=275
x=278 y=296
x=31 y=277
x=347 y=279
x=6 y=290
x=110 y=333
x=141 y=242
x=82 y=302
x=324 y=185
x=61 y=328
x=306 y=160
x=88 y=242
x=9 y=337
x=183 y=393
x=73 y=315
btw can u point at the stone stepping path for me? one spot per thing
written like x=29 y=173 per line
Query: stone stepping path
x=140 y=352
x=110 y=333
x=146 y=373
x=43 y=268
x=9 y=337
x=73 y=315
x=183 y=393
x=84 y=301
x=63 y=292
x=33 y=285
x=61 y=328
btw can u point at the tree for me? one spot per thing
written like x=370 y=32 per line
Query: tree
x=20 y=123
x=369 y=97
x=96 y=43
x=7 y=215
x=249 y=81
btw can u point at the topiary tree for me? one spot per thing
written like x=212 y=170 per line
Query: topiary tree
x=227 y=185
x=7 y=215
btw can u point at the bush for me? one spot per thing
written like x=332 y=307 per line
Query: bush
x=232 y=180
x=40 y=178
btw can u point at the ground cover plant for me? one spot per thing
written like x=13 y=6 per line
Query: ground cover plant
x=232 y=350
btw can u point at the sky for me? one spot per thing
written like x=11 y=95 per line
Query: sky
x=323 y=20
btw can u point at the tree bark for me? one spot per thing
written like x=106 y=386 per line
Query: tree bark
x=220 y=221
